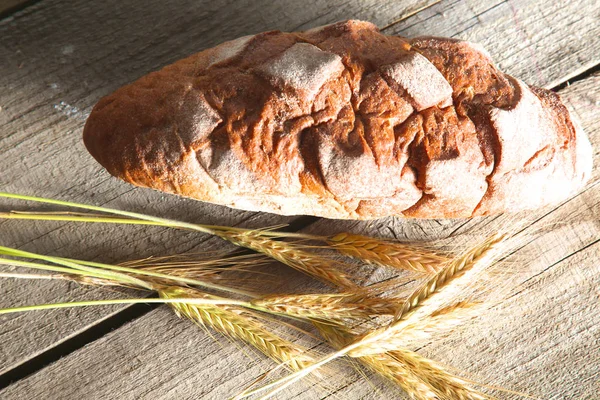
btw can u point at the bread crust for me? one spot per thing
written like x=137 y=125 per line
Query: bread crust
x=342 y=121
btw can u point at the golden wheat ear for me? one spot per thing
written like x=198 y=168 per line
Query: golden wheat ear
x=319 y=267
x=479 y=256
x=230 y=322
x=387 y=253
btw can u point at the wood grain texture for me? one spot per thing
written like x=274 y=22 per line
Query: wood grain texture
x=543 y=43
x=534 y=340
x=9 y=6
x=59 y=58
x=44 y=123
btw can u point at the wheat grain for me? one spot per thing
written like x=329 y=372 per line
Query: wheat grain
x=383 y=364
x=480 y=255
x=385 y=253
x=331 y=307
x=445 y=384
x=422 y=329
x=228 y=321
x=319 y=267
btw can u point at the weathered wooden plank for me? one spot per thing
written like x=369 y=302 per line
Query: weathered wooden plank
x=533 y=341
x=58 y=59
x=547 y=318
x=543 y=341
x=8 y=6
x=543 y=43
x=398 y=227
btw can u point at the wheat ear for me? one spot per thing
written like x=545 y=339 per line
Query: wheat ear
x=446 y=385
x=443 y=320
x=419 y=377
x=383 y=364
x=321 y=268
x=226 y=320
x=399 y=373
x=481 y=255
x=385 y=253
x=331 y=307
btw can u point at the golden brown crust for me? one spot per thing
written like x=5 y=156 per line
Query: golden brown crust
x=342 y=122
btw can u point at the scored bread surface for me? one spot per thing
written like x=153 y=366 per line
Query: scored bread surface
x=342 y=121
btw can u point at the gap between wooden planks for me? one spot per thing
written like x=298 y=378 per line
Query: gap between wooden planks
x=52 y=79
x=534 y=344
x=8 y=7
x=438 y=15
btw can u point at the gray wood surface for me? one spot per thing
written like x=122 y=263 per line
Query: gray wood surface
x=544 y=43
x=6 y=6
x=58 y=59
x=43 y=111
x=541 y=338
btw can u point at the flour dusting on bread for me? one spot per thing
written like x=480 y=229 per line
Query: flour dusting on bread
x=304 y=67
x=342 y=121
x=229 y=50
x=204 y=120
x=425 y=85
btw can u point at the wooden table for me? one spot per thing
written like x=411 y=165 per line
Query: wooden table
x=58 y=57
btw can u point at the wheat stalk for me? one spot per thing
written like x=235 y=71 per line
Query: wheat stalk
x=446 y=385
x=226 y=320
x=331 y=307
x=443 y=320
x=481 y=255
x=321 y=268
x=383 y=364
x=385 y=253
x=257 y=240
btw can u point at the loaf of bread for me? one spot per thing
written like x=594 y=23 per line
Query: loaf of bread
x=342 y=121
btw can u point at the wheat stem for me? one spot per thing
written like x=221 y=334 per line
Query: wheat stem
x=252 y=239
x=332 y=307
x=53 y=268
x=226 y=321
x=31 y=276
x=8 y=251
x=148 y=300
x=66 y=217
